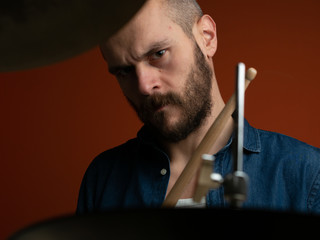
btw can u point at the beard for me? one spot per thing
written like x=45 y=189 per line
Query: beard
x=194 y=104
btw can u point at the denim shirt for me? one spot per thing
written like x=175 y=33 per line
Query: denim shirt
x=284 y=174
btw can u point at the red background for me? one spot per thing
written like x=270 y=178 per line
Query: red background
x=56 y=119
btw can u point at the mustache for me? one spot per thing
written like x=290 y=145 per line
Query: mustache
x=158 y=100
x=147 y=108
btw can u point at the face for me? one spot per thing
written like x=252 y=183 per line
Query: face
x=162 y=73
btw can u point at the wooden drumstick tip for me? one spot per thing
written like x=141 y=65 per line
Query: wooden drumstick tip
x=251 y=74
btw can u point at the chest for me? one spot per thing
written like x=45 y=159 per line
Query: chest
x=175 y=171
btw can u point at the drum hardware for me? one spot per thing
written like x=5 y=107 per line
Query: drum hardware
x=235 y=183
x=207 y=142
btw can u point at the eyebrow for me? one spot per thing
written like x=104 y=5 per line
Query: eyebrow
x=114 y=70
x=156 y=46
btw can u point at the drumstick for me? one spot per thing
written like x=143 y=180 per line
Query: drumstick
x=207 y=142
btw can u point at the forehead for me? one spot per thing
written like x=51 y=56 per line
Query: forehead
x=149 y=27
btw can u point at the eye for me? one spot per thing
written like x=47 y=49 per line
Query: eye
x=123 y=72
x=158 y=54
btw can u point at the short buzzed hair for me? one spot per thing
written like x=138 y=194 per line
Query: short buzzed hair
x=184 y=13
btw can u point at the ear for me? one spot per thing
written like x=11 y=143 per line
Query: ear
x=206 y=35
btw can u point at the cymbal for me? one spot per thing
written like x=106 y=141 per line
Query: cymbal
x=37 y=33
x=173 y=224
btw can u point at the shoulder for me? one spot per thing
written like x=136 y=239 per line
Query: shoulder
x=290 y=158
x=114 y=156
x=281 y=155
x=283 y=144
x=290 y=167
x=113 y=164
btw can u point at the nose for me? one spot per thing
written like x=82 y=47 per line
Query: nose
x=147 y=79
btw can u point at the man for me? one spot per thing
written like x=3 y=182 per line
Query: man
x=162 y=60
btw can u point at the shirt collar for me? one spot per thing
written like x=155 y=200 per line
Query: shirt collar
x=251 y=141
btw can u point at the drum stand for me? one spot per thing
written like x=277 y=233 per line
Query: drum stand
x=236 y=183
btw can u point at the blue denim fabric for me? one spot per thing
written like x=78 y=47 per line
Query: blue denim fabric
x=284 y=174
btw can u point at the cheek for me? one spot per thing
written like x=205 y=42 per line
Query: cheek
x=179 y=70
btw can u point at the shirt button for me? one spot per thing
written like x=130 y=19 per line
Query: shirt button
x=163 y=171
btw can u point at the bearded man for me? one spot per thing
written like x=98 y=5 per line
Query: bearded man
x=163 y=61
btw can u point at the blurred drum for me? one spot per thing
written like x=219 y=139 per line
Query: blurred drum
x=36 y=33
x=174 y=224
